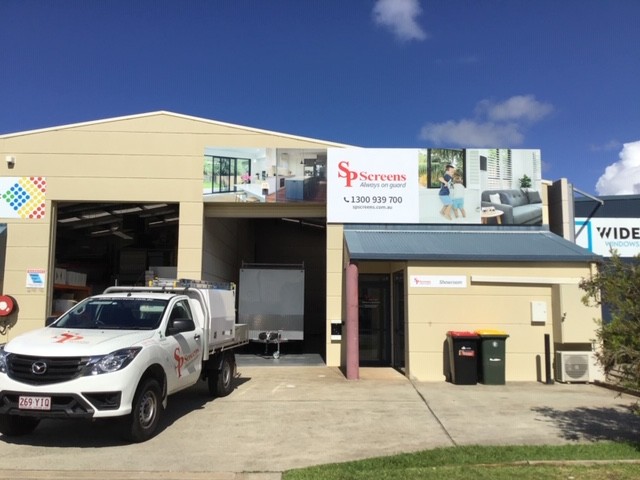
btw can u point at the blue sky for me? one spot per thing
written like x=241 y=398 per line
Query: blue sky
x=561 y=76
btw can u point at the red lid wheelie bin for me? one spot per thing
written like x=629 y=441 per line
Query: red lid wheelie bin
x=463 y=357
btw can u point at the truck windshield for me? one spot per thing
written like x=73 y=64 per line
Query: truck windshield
x=114 y=313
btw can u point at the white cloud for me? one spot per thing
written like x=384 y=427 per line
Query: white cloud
x=399 y=16
x=623 y=176
x=606 y=147
x=472 y=133
x=518 y=108
x=496 y=124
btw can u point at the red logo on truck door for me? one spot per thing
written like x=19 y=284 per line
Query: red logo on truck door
x=183 y=361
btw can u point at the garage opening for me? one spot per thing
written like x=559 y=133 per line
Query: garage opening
x=231 y=242
x=102 y=244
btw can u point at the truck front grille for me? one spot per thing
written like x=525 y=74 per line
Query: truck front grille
x=62 y=406
x=44 y=370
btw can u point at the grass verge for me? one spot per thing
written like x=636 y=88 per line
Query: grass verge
x=488 y=462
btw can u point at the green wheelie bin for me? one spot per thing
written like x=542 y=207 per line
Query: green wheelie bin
x=491 y=365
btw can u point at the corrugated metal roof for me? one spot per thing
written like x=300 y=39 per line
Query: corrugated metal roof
x=495 y=246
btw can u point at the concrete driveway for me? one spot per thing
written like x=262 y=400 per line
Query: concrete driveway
x=280 y=418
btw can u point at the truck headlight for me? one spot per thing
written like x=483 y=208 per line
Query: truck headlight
x=113 y=362
x=3 y=360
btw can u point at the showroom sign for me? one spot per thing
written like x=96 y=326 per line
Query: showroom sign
x=438 y=281
x=603 y=235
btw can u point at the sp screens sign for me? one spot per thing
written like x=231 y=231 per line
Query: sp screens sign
x=434 y=186
x=372 y=186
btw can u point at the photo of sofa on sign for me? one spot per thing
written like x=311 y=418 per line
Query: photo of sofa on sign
x=519 y=207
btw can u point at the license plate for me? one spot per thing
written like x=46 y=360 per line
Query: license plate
x=34 y=403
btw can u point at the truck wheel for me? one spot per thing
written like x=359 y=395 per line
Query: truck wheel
x=221 y=383
x=16 y=425
x=145 y=412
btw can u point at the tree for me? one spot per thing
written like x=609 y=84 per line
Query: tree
x=617 y=287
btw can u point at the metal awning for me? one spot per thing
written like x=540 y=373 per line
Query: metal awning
x=473 y=245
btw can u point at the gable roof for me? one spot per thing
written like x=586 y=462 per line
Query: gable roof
x=174 y=115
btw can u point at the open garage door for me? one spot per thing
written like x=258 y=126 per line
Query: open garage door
x=241 y=234
x=103 y=244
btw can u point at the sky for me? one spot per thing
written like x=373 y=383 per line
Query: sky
x=559 y=76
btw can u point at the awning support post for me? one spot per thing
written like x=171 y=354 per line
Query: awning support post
x=352 y=329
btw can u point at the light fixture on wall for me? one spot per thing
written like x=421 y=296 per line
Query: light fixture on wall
x=11 y=161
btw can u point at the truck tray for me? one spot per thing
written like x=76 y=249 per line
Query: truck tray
x=241 y=338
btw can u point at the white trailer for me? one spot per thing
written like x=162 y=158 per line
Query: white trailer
x=271 y=302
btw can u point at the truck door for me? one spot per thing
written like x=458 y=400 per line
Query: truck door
x=184 y=349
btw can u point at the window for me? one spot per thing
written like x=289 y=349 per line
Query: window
x=180 y=310
x=222 y=174
x=438 y=159
x=499 y=171
x=114 y=313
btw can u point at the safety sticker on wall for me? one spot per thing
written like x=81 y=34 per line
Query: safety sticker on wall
x=23 y=197
x=36 y=278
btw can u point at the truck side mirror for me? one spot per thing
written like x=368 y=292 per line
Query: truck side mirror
x=180 y=325
x=49 y=320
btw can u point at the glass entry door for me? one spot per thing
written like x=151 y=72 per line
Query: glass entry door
x=374 y=319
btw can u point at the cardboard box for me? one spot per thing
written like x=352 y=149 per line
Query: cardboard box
x=76 y=278
x=60 y=276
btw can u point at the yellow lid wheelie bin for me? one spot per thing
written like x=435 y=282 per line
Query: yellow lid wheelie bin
x=492 y=361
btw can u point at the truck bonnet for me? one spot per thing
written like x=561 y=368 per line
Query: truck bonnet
x=59 y=342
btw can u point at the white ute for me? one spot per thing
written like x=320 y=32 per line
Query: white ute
x=121 y=354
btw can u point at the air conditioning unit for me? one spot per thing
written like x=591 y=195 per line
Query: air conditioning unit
x=573 y=366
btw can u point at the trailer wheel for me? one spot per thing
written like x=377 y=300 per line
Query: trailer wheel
x=146 y=411
x=221 y=383
x=16 y=425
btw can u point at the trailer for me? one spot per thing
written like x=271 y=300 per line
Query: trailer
x=271 y=303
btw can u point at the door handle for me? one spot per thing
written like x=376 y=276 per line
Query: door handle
x=196 y=336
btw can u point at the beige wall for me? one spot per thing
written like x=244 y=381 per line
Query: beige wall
x=159 y=158
x=335 y=288
x=560 y=195
x=577 y=321
x=152 y=158
x=27 y=248
x=143 y=159
x=497 y=296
